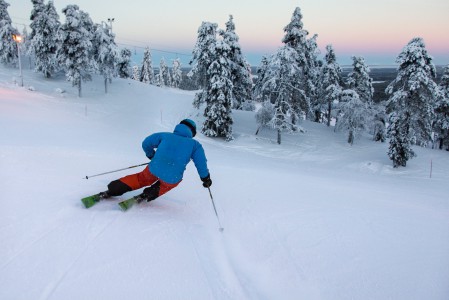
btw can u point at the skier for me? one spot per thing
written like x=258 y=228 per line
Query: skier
x=166 y=168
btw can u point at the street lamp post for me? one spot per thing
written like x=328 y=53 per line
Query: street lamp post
x=18 y=39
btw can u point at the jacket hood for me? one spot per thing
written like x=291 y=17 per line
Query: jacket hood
x=183 y=130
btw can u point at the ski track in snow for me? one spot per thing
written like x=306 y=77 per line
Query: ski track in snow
x=51 y=288
x=19 y=252
x=222 y=278
x=223 y=281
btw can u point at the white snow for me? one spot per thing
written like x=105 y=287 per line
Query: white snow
x=313 y=218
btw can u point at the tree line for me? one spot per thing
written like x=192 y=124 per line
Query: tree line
x=294 y=84
x=291 y=85
x=79 y=47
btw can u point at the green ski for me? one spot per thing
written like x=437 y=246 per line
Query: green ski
x=94 y=199
x=127 y=204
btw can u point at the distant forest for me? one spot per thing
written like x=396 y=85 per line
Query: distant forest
x=382 y=77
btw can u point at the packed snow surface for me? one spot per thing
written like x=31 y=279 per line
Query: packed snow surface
x=312 y=218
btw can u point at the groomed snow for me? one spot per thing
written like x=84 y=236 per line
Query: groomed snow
x=313 y=218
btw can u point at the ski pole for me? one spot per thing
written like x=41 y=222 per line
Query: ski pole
x=215 y=209
x=87 y=177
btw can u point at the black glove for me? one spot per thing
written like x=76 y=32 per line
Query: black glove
x=207 y=182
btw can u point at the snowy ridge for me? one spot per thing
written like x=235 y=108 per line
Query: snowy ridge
x=313 y=218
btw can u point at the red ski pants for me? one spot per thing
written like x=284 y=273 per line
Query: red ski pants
x=155 y=186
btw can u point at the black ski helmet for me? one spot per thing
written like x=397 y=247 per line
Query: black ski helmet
x=189 y=123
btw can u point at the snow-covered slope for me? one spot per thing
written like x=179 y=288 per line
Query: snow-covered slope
x=313 y=218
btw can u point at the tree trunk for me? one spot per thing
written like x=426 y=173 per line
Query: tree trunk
x=317 y=116
x=105 y=85
x=79 y=89
x=351 y=137
x=279 y=136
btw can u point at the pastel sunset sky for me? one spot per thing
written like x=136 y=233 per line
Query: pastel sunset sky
x=376 y=30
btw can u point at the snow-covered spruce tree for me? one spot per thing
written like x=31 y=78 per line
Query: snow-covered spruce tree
x=240 y=69
x=353 y=114
x=176 y=73
x=442 y=111
x=124 y=63
x=289 y=72
x=400 y=150
x=264 y=84
x=105 y=53
x=218 y=94
x=75 y=52
x=360 y=81
x=203 y=54
x=379 y=122
x=43 y=45
x=413 y=94
x=412 y=98
x=146 y=71
x=8 y=47
x=312 y=71
x=38 y=8
x=296 y=38
x=136 y=73
x=164 y=78
x=265 y=115
x=285 y=71
x=331 y=82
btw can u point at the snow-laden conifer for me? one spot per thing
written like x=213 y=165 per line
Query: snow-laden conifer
x=218 y=95
x=295 y=38
x=43 y=40
x=442 y=111
x=176 y=73
x=240 y=68
x=312 y=71
x=379 y=122
x=360 y=81
x=265 y=115
x=400 y=149
x=353 y=114
x=8 y=47
x=412 y=99
x=331 y=83
x=164 y=78
x=124 y=69
x=203 y=55
x=285 y=69
x=38 y=9
x=136 y=73
x=146 y=71
x=265 y=81
x=75 y=52
x=105 y=52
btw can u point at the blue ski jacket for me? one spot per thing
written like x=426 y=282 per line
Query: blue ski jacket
x=174 y=152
